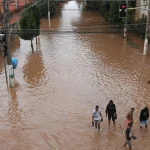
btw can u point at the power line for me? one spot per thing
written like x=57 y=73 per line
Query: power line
x=22 y=11
x=88 y=27
x=75 y=31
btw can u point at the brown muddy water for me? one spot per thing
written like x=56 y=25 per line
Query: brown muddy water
x=58 y=86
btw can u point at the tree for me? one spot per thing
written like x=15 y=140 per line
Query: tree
x=28 y=25
x=141 y=27
x=36 y=13
x=114 y=13
x=53 y=6
x=130 y=15
x=93 y=5
x=104 y=9
x=43 y=6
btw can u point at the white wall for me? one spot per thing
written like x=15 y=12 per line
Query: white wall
x=140 y=12
x=144 y=12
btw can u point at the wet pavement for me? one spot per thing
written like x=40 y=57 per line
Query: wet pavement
x=58 y=86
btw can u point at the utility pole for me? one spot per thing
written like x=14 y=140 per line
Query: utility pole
x=10 y=70
x=125 y=29
x=16 y=4
x=24 y=2
x=125 y=25
x=146 y=32
x=4 y=52
x=49 y=14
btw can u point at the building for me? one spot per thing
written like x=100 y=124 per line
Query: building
x=13 y=5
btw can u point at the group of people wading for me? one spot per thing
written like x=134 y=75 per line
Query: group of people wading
x=97 y=118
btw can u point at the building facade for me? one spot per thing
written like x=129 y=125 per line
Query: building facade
x=14 y=5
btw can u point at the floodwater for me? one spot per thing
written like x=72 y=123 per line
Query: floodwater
x=58 y=86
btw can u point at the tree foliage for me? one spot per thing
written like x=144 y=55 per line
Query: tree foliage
x=114 y=13
x=141 y=25
x=53 y=7
x=104 y=9
x=31 y=18
x=43 y=6
x=36 y=12
x=37 y=15
x=130 y=14
x=110 y=11
x=93 y=5
x=28 y=22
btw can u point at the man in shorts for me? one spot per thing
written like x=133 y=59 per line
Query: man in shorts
x=111 y=112
x=144 y=115
x=129 y=117
x=128 y=136
x=97 y=117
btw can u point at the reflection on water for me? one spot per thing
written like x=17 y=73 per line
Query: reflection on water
x=62 y=81
x=14 y=116
x=34 y=69
x=15 y=45
x=13 y=113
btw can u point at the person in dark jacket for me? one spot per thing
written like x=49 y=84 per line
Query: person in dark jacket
x=144 y=115
x=111 y=112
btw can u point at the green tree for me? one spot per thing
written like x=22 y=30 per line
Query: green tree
x=141 y=27
x=30 y=23
x=36 y=13
x=28 y=26
x=104 y=9
x=43 y=6
x=130 y=15
x=114 y=13
x=35 y=9
x=93 y=5
x=53 y=7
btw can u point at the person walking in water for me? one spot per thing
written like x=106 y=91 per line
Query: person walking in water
x=129 y=117
x=97 y=117
x=111 y=112
x=128 y=136
x=144 y=115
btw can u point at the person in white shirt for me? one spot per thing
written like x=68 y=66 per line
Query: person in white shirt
x=97 y=117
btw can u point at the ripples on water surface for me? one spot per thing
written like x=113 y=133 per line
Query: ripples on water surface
x=58 y=86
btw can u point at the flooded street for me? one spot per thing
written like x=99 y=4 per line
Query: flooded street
x=58 y=86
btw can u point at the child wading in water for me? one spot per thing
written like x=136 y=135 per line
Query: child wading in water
x=128 y=136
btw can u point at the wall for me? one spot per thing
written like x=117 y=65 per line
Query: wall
x=14 y=5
